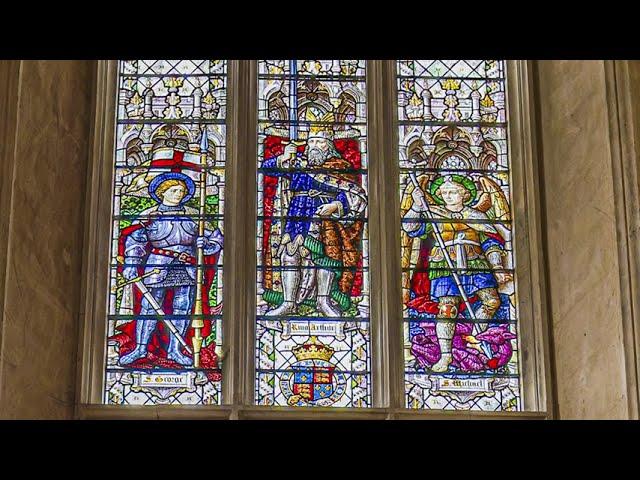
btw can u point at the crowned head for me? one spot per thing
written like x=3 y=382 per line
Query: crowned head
x=320 y=146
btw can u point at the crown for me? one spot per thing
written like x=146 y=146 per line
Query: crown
x=313 y=350
x=322 y=130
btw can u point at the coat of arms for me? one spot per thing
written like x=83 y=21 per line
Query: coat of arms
x=313 y=379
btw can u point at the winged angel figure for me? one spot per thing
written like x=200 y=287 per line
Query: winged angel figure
x=456 y=272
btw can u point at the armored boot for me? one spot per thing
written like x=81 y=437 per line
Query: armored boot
x=489 y=306
x=290 y=283
x=323 y=302
x=490 y=302
x=448 y=308
x=444 y=331
x=174 y=351
x=144 y=329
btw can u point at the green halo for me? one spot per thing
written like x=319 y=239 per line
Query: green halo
x=461 y=180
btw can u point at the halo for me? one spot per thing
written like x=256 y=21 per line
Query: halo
x=160 y=179
x=461 y=180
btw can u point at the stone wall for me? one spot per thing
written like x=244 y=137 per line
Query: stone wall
x=579 y=207
x=43 y=215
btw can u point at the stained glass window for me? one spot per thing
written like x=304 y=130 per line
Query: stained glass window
x=459 y=296
x=312 y=319
x=165 y=303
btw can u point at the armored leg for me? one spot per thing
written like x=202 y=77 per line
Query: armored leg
x=490 y=302
x=447 y=308
x=182 y=302
x=323 y=302
x=325 y=305
x=144 y=328
x=290 y=282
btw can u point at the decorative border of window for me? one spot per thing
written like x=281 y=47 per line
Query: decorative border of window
x=97 y=219
x=532 y=297
x=384 y=227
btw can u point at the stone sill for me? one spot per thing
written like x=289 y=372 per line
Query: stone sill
x=227 y=412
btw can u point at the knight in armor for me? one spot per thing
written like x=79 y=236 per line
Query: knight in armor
x=475 y=249
x=320 y=193
x=166 y=240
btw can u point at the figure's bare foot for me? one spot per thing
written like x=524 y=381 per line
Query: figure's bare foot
x=442 y=365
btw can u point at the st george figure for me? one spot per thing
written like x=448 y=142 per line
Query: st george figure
x=165 y=244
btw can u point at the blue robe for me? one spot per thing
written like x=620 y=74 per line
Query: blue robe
x=304 y=206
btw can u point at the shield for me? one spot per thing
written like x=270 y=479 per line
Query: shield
x=312 y=381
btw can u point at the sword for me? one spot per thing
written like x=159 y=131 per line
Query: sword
x=442 y=246
x=293 y=100
x=121 y=285
x=154 y=303
x=293 y=105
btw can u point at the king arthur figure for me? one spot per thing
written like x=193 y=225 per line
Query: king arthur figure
x=324 y=223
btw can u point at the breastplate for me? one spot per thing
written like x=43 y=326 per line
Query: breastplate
x=172 y=231
x=461 y=242
x=453 y=230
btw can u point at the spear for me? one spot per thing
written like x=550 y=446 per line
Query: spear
x=484 y=345
x=197 y=322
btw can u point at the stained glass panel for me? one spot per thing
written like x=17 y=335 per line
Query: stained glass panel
x=312 y=319
x=165 y=301
x=458 y=268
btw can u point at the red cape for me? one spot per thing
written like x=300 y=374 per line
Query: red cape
x=349 y=149
x=157 y=355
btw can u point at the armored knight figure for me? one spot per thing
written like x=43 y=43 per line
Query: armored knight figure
x=319 y=195
x=166 y=240
x=474 y=248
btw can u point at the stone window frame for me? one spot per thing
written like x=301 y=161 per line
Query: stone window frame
x=384 y=231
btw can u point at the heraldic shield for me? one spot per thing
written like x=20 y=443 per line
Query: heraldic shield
x=313 y=380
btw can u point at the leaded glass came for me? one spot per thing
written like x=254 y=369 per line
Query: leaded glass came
x=165 y=304
x=459 y=296
x=312 y=328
